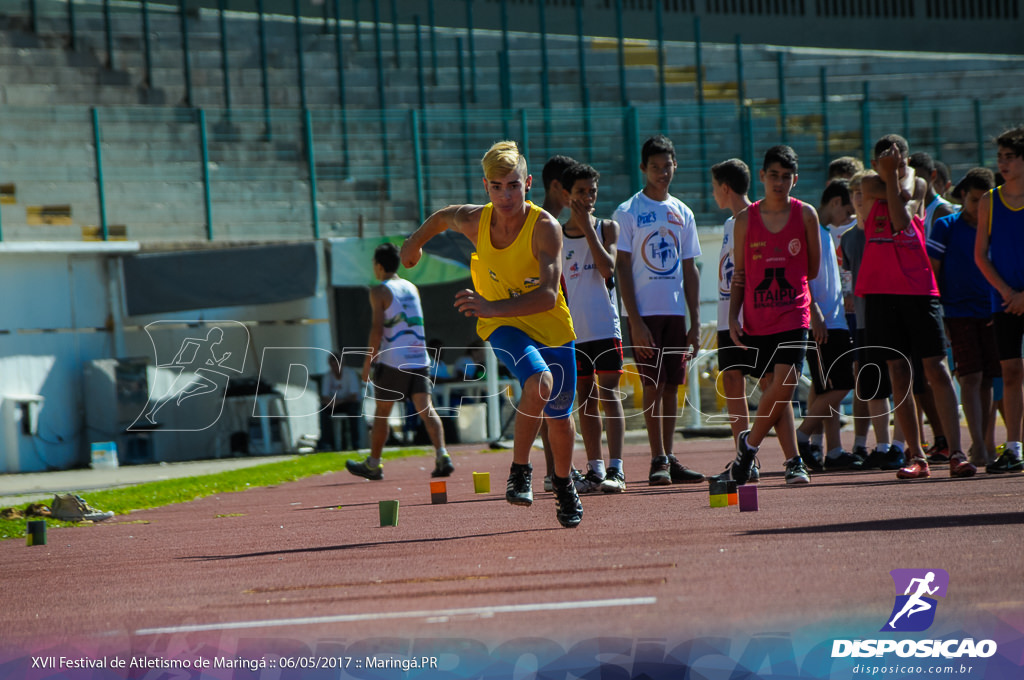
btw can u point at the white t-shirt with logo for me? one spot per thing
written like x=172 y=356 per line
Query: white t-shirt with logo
x=659 y=235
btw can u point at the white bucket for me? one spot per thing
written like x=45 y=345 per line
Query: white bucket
x=104 y=456
x=472 y=423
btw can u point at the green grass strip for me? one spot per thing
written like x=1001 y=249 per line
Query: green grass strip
x=170 y=491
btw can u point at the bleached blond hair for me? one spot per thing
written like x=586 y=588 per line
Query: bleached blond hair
x=503 y=158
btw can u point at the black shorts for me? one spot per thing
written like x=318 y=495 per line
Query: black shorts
x=872 y=372
x=788 y=347
x=668 y=366
x=831 y=364
x=598 y=356
x=907 y=325
x=1009 y=335
x=731 y=357
x=974 y=346
x=394 y=384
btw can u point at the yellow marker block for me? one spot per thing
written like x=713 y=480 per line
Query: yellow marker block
x=719 y=500
x=482 y=482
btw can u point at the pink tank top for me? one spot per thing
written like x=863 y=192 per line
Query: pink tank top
x=775 y=297
x=894 y=264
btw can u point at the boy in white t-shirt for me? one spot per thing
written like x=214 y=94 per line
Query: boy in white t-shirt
x=659 y=281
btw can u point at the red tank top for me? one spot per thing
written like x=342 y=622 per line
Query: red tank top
x=894 y=264
x=776 y=298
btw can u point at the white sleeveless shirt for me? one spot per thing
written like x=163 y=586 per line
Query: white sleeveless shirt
x=594 y=314
x=403 y=344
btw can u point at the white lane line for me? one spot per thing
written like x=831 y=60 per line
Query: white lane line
x=382 y=616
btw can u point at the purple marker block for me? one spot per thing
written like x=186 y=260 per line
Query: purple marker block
x=748 y=498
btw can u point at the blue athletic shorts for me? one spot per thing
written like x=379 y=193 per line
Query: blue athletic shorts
x=526 y=357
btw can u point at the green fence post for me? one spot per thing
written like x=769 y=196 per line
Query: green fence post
x=224 y=67
x=342 y=108
x=865 y=121
x=632 y=142
x=623 y=97
x=506 y=91
x=701 y=109
x=906 y=117
x=414 y=124
x=471 y=45
x=979 y=138
x=300 y=63
x=307 y=120
x=108 y=35
x=937 y=128
x=382 y=101
x=503 y=5
x=422 y=179
x=584 y=90
x=741 y=89
x=33 y=21
x=355 y=24
x=97 y=141
x=747 y=116
x=264 y=77
x=433 y=41
x=780 y=68
x=699 y=63
x=825 y=151
x=465 y=122
x=524 y=132
x=662 y=90
x=186 y=64
x=545 y=87
x=394 y=34
x=147 y=50
x=72 y=35
x=204 y=154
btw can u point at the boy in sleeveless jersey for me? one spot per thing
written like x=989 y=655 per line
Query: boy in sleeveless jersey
x=902 y=304
x=521 y=310
x=966 y=306
x=589 y=247
x=778 y=237
x=999 y=252
x=401 y=365
x=659 y=282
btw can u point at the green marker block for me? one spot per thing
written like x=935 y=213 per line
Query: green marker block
x=388 y=513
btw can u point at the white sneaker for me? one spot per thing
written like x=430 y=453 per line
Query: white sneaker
x=614 y=481
x=71 y=508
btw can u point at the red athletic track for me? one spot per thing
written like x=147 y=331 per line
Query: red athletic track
x=315 y=548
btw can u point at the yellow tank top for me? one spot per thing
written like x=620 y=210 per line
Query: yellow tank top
x=503 y=273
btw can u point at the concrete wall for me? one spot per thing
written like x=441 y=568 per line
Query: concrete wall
x=63 y=308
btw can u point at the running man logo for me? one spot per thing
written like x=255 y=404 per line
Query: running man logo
x=914 y=609
x=198 y=371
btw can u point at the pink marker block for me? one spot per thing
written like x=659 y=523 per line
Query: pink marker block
x=748 y=498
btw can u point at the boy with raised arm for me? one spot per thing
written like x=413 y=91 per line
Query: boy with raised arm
x=521 y=311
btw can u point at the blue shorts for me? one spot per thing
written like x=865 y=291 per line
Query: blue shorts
x=526 y=357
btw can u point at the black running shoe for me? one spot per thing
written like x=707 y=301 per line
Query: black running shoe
x=519 y=490
x=680 y=474
x=1005 y=463
x=362 y=469
x=744 y=459
x=660 y=474
x=811 y=455
x=568 y=508
x=443 y=466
